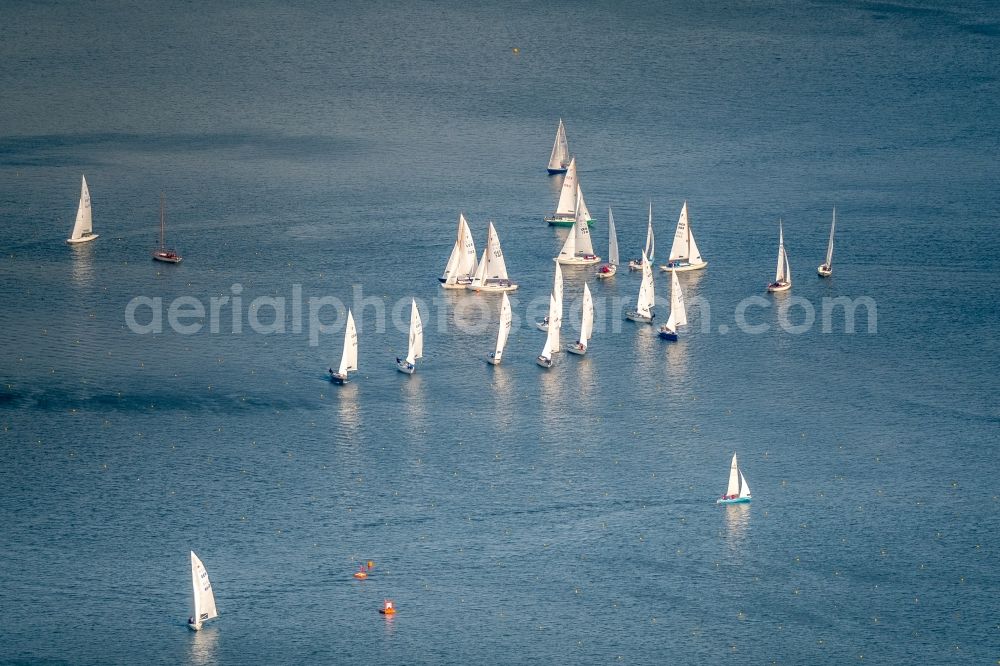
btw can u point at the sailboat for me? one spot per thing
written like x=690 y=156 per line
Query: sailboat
x=163 y=254
x=826 y=268
x=203 y=602
x=738 y=490
x=578 y=250
x=83 y=228
x=609 y=269
x=552 y=339
x=684 y=254
x=349 y=359
x=636 y=264
x=557 y=294
x=559 y=159
x=678 y=314
x=502 y=333
x=491 y=274
x=570 y=199
x=461 y=265
x=586 y=324
x=643 y=312
x=783 y=274
x=416 y=348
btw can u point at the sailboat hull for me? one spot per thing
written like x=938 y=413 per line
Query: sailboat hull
x=455 y=285
x=579 y=261
x=634 y=265
x=493 y=360
x=824 y=271
x=544 y=362
x=738 y=500
x=776 y=287
x=559 y=170
x=338 y=378
x=606 y=271
x=576 y=349
x=564 y=221
x=668 y=335
x=82 y=239
x=194 y=626
x=406 y=368
x=683 y=266
x=166 y=257
x=639 y=318
x=509 y=286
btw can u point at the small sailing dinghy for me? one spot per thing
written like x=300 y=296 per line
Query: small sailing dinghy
x=609 y=269
x=461 y=267
x=83 y=228
x=416 y=349
x=502 y=333
x=203 y=603
x=552 y=339
x=387 y=608
x=783 y=274
x=349 y=359
x=826 y=268
x=570 y=200
x=643 y=312
x=636 y=264
x=162 y=253
x=491 y=274
x=678 y=314
x=738 y=490
x=586 y=324
x=559 y=159
x=557 y=294
x=684 y=254
x=578 y=250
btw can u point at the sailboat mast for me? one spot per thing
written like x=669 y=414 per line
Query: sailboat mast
x=162 y=216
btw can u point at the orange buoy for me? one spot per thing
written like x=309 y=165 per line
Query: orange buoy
x=387 y=608
x=360 y=575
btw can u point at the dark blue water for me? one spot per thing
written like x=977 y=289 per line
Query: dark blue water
x=514 y=515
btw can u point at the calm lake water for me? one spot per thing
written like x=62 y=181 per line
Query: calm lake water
x=311 y=150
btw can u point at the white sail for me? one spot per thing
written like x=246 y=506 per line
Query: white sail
x=555 y=322
x=612 y=240
x=462 y=261
x=496 y=266
x=734 y=479
x=587 y=323
x=650 y=241
x=560 y=150
x=581 y=207
x=505 y=319
x=84 y=224
x=203 y=597
x=581 y=230
x=780 y=274
x=567 y=196
x=678 y=313
x=557 y=295
x=644 y=304
x=478 y=277
x=568 y=250
x=684 y=247
x=349 y=361
x=744 y=486
x=416 y=349
x=829 y=245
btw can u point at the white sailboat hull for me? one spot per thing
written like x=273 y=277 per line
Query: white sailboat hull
x=195 y=626
x=775 y=287
x=640 y=318
x=83 y=239
x=406 y=368
x=338 y=378
x=606 y=271
x=493 y=360
x=494 y=287
x=634 y=265
x=683 y=266
x=544 y=362
x=579 y=261
x=824 y=270
x=456 y=285
x=575 y=348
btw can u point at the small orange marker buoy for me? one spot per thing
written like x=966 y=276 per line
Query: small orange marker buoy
x=387 y=608
x=360 y=575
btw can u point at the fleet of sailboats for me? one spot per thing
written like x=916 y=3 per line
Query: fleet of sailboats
x=502 y=333
x=83 y=228
x=559 y=159
x=586 y=323
x=578 y=250
x=461 y=266
x=783 y=273
x=349 y=359
x=738 y=490
x=491 y=274
x=571 y=201
x=643 y=312
x=609 y=269
x=416 y=342
x=636 y=264
x=163 y=253
x=684 y=254
x=203 y=599
x=826 y=268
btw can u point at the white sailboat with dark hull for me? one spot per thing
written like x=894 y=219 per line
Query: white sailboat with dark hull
x=636 y=264
x=571 y=201
x=502 y=333
x=605 y=271
x=203 y=599
x=83 y=228
x=552 y=338
x=826 y=268
x=163 y=253
x=349 y=359
x=783 y=273
x=643 y=312
x=586 y=323
x=416 y=342
x=461 y=267
x=684 y=254
x=678 y=313
x=491 y=274
x=559 y=159
x=738 y=490
x=578 y=250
